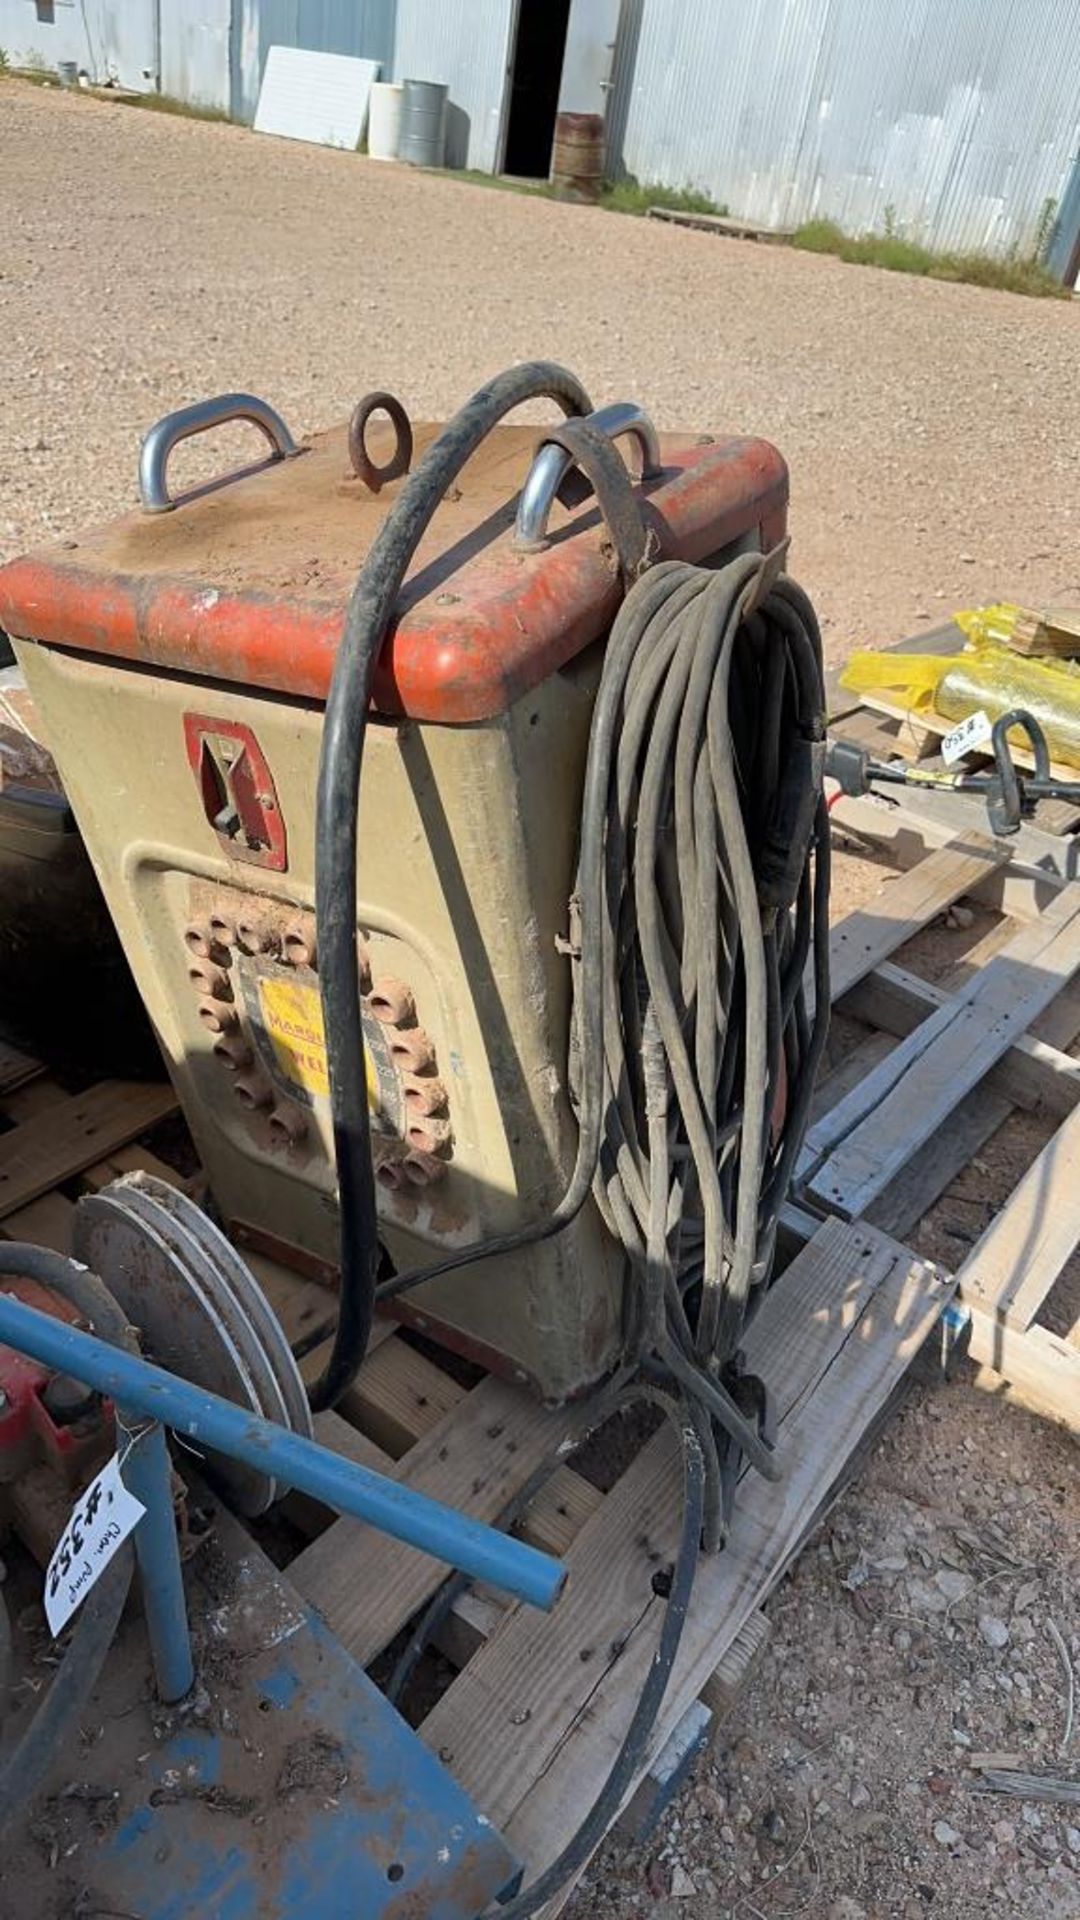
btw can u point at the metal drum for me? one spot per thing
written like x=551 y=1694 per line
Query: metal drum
x=423 y=123
x=577 y=160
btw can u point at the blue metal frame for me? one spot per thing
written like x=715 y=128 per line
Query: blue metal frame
x=146 y=1471
x=140 y=1388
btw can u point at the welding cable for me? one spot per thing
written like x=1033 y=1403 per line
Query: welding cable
x=701 y=897
x=53 y=1726
x=367 y=621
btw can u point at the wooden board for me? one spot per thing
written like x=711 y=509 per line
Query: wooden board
x=863 y=939
x=475 y=1458
x=534 y=1721
x=854 y=1151
x=910 y=825
x=1012 y=1268
x=1044 y=1368
x=1032 y=1072
x=15 y=1067
x=74 y=1133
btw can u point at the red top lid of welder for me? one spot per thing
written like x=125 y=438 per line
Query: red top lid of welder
x=247 y=581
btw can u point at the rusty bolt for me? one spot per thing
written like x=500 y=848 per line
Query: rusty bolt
x=256 y=933
x=253 y=1089
x=217 y=1016
x=421 y=1169
x=413 y=1051
x=234 y=1053
x=428 y=1135
x=299 y=945
x=201 y=940
x=390 y=1176
x=223 y=929
x=210 y=980
x=288 y=1125
x=424 y=1096
x=392 y=1002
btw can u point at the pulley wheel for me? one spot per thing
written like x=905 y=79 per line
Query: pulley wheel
x=201 y=1316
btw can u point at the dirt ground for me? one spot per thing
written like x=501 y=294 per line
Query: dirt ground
x=931 y=432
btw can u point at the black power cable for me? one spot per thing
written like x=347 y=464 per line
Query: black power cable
x=368 y=618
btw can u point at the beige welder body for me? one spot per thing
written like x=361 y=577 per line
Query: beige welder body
x=180 y=661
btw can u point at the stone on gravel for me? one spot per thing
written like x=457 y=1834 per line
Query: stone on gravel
x=994 y=1631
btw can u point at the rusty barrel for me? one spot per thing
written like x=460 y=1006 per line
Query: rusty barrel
x=577 y=160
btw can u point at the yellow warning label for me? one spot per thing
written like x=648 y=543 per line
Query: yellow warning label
x=292 y=1016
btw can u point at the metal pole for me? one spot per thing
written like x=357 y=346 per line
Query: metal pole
x=146 y=1471
x=480 y=1551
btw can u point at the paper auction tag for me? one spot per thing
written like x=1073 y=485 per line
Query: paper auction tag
x=971 y=733
x=102 y=1520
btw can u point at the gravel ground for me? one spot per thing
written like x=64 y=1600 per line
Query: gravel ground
x=145 y=262
x=148 y=261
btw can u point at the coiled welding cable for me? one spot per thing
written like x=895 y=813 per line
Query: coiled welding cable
x=709 y=730
x=702 y=891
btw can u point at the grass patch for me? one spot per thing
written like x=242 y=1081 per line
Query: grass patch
x=39 y=75
x=166 y=103
x=618 y=196
x=897 y=255
x=629 y=196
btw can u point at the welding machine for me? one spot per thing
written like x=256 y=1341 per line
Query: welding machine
x=471 y=906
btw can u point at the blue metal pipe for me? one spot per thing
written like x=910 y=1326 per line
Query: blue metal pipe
x=480 y=1551
x=146 y=1471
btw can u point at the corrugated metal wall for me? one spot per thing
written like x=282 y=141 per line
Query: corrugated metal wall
x=108 y=39
x=957 y=119
x=365 y=28
x=195 y=51
x=463 y=43
x=466 y=44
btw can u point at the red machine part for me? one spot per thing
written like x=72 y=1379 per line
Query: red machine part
x=71 y=1435
x=227 y=588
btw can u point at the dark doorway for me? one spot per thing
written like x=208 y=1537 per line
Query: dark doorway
x=534 y=87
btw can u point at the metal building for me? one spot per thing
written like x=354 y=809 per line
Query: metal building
x=957 y=122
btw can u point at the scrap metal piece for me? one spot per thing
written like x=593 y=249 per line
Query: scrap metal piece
x=199 y=1309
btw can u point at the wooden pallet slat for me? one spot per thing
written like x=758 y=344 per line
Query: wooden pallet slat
x=1032 y=1071
x=74 y=1133
x=857 y=1149
x=1042 y=1366
x=366 y=1586
x=863 y=939
x=16 y=1067
x=1014 y=1264
x=833 y=1376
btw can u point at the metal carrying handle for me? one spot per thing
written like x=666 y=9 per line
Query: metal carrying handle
x=552 y=463
x=161 y=439
x=586 y=446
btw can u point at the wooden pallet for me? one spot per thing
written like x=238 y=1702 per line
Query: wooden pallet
x=531 y=1722
x=941 y=1070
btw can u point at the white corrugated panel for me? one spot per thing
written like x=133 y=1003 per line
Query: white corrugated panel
x=466 y=45
x=321 y=97
x=957 y=120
